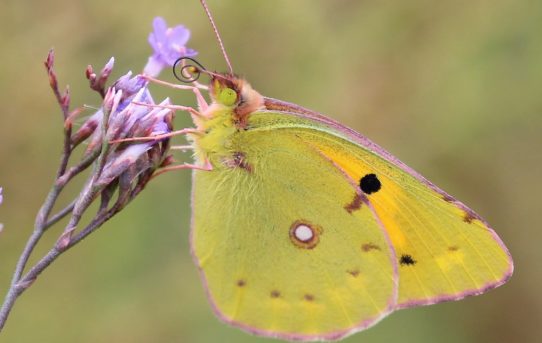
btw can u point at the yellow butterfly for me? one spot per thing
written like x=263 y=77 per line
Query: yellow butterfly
x=303 y=229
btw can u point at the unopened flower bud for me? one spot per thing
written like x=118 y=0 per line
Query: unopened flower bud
x=86 y=129
x=119 y=162
x=106 y=70
x=89 y=72
x=50 y=60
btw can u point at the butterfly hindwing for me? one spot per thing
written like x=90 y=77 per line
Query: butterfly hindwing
x=253 y=218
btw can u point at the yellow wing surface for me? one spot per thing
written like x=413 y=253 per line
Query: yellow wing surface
x=309 y=231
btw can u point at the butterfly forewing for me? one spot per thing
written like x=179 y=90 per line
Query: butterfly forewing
x=444 y=250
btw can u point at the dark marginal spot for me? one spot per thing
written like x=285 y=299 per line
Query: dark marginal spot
x=275 y=294
x=241 y=283
x=453 y=248
x=407 y=260
x=447 y=198
x=354 y=205
x=469 y=217
x=309 y=297
x=369 y=246
x=370 y=184
x=354 y=272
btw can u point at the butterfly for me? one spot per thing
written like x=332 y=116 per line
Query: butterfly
x=303 y=229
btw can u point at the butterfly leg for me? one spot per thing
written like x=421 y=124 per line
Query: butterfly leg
x=206 y=167
x=202 y=103
x=181 y=147
x=157 y=137
x=188 y=109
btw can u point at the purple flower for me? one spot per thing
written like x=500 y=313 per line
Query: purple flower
x=127 y=118
x=168 y=45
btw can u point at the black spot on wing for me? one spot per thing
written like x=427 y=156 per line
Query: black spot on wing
x=369 y=184
x=407 y=260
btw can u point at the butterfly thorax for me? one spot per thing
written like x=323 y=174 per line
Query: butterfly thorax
x=233 y=100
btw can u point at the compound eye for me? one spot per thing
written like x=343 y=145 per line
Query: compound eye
x=228 y=97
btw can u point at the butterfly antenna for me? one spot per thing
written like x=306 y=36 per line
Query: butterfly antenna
x=206 y=8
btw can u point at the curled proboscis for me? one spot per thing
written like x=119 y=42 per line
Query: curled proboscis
x=187 y=69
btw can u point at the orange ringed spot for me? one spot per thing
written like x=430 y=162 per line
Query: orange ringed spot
x=304 y=234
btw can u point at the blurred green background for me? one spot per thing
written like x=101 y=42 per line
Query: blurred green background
x=453 y=88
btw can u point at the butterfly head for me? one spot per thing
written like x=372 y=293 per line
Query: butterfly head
x=236 y=93
x=225 y=89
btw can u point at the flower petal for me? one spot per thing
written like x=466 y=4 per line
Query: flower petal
x=178 y=35
x=159 y=29
x=154 y=66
